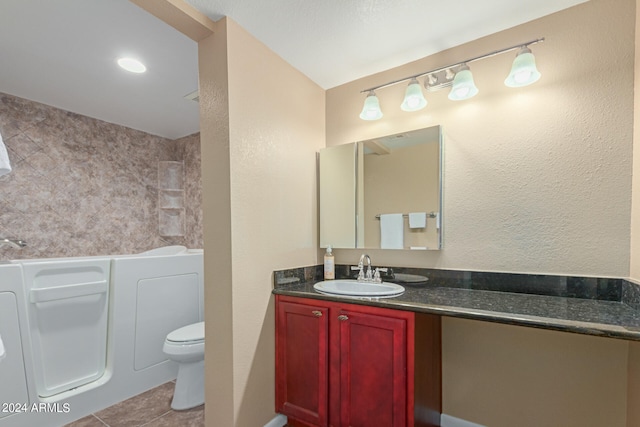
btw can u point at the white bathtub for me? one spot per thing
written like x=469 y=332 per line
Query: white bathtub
x=81 y=334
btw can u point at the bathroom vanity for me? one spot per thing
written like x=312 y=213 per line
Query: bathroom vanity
x=344 y=364
x=339 y=359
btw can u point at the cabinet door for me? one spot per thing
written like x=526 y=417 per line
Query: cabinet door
x=373 y=369
x=302 y=362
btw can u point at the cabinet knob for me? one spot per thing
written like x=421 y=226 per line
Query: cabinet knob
x=343 y=317
x=317 y=313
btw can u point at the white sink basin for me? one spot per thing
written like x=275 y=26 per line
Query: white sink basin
x=410 y=278
x=360 y=289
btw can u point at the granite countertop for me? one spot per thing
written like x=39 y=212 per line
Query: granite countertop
x=591 y=316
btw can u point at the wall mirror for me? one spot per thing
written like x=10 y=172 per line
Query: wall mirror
x=383 y=193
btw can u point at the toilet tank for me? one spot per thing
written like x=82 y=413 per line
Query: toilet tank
x=158 y=291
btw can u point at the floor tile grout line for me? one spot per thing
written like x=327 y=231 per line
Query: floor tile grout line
x=156 y=418
x=99 y=419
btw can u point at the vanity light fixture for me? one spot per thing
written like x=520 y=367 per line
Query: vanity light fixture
x=371 y=109
x=413 y=98
x=457 y=76
x=132 y=65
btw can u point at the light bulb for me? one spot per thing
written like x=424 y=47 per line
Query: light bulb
x=371 y=108
x=522 y=76
x=524 y=71
x=413 y=98
x=463 y=86
x=461 y=92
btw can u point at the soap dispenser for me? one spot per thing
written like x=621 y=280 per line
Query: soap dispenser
x=329 y=265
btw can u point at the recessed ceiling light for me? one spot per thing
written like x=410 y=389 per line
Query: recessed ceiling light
x=131 y=64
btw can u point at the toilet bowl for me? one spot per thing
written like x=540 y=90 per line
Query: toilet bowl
x=186 y=347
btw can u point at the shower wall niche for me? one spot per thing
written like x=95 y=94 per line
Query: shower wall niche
x=171 y=209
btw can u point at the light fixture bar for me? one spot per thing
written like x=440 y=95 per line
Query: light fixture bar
x=437 y=70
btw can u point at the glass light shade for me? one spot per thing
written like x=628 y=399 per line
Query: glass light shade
x=463 y=86
x=524 y=71
x=413 y=98
x=371 y=109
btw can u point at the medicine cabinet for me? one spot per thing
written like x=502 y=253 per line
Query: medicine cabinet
x=395 y=174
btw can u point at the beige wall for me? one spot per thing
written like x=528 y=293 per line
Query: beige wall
x=633 y=387
x=263 y=133
x=633 y=409
x=635 y=207
x=537 y=180
x=507 y=376
x=337 y=210
x=216 y=199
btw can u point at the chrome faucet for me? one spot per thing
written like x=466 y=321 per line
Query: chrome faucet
x=361 y=274
x=369 y=275
x=14 y=243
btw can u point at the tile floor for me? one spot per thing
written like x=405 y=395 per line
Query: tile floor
x=149 y=409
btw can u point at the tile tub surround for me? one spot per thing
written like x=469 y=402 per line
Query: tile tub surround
x=81 y=186
x=593 y=306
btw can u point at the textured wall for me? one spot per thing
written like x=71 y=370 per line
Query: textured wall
x=633 y=409
x=635 y=209
x=537 y=179
x=216 y=199
x=81 y=186
x=510 y=376
x=267 y=202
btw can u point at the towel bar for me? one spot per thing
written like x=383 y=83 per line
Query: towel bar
x=429 y=215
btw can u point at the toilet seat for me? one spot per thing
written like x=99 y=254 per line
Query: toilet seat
x=190 y=334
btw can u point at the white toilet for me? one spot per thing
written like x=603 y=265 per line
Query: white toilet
x=186 y=347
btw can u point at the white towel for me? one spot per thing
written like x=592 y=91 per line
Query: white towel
x=391 y=231
x=417 y=220
x=5 y=166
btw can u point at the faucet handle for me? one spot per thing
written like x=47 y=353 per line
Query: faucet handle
x=14 y=243
x=360 y=269
x=376 y=275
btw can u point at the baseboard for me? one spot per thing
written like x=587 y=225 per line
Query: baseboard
x=449 y=421
x=445 y=421
x=277 y=421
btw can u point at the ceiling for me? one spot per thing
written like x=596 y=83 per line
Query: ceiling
x=63 y=52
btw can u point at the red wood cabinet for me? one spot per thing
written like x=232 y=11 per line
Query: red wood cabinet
x=343 y=365
x=302 y=361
